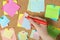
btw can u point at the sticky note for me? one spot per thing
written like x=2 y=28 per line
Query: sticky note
x=19 y=25
x=4 y=21
x=23 y=21
x=36 y=36
x=22 y=35
x=32 y=33
x=26 y=23
x=4 y=2
x=36 y=6
x=20 y=19
x=8 y=34
x=54 y=19
x=52 y=12
x=53 y=31
x=10 y=8
x=59 y=11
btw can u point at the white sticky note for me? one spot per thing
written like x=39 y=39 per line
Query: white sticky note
x=36 y=6
x=32 y=33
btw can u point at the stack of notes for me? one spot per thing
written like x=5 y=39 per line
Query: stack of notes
x=23 y=21
x=52 y=12
x=8 y=34
x=53 y=31
x=22 y=35
x=10 y=8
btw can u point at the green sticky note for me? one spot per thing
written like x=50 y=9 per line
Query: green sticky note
x=53 y=31
x=59 y=11
x=52 y=12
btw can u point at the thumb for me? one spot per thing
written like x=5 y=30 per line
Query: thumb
x=43 y=26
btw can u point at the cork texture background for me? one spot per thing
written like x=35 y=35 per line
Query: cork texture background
x=24 y=5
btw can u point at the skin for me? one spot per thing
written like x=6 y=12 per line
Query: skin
x=41 y=29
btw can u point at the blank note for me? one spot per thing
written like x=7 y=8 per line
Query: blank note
x=52 y=12
x=36 y=6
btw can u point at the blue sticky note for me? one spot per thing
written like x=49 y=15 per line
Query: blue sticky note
x=59 y=11
x=4 y=21
x=36 y=6
x=26 y=24
x=54 y=19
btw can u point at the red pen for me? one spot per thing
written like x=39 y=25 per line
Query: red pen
x=38 y=20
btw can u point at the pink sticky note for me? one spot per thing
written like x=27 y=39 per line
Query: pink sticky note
x=11 y=8
x=36 y=36
x=13 y=35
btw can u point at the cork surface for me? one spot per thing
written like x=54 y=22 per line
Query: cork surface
x=24 y=4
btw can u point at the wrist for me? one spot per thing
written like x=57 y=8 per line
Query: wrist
x=46 y=37
x=44 y=34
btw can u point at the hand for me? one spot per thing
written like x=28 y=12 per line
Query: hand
x=41 y=29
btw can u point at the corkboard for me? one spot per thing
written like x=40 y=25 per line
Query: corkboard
x=24 y=4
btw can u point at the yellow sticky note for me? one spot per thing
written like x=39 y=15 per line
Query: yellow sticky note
x=19 y=25
x=15 y=1
x=20 y=17
x=7 y=33
x=4 y=2
x=22 y=35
